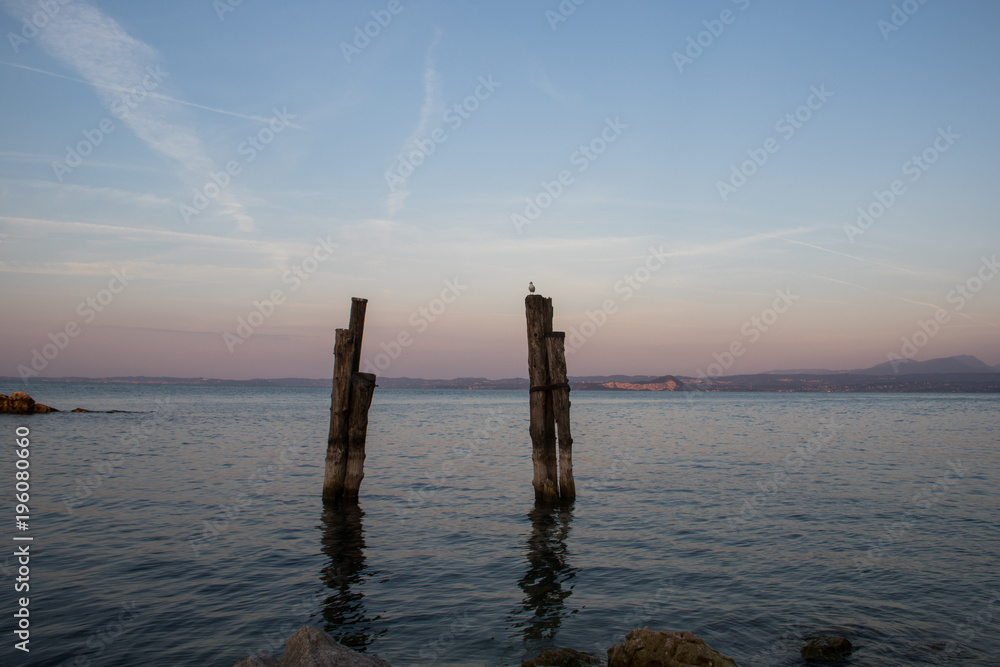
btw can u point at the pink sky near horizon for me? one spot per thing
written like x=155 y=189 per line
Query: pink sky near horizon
x=664 y=205
x=653 y=333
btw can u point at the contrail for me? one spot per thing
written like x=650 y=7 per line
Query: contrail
x=904 y=299
x=158 y=96
x=844 y=254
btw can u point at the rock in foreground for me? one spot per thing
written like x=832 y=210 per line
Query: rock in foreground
x=311 y=647
x=650 y=648
x=561 y=657
x=258 y=661
x=19 y=403
x=827 y=649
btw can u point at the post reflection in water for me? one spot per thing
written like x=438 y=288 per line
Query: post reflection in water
x=343 y=607
x=548 y=580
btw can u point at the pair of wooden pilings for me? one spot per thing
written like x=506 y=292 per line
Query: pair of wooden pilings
x=349 y=403
x=549 y=404
x=549 y=400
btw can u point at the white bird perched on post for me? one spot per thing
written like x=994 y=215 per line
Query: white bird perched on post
x=531 y=287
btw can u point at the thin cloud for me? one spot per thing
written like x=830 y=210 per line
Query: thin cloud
x=432 y=109
x=109 y=59
x=854 y=257
x=904 y=299
x=723 y=247
x=35 y=158
x=94 y=192
x=278 y=253
x=541 y=81
x=155 y=95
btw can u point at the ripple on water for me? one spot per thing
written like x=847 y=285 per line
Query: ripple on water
x=704 y=515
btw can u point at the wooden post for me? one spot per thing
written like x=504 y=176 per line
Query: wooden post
x=336 y=444
x=346 y=440
x=538 y=312
x=362 y=388
x=556 y=343
x=357 y=328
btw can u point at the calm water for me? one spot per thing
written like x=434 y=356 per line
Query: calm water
x=753 y=520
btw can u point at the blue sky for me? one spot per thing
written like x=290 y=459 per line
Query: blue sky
x=304 y=125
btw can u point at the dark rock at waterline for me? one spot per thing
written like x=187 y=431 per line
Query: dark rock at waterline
x=19 y=403
x=311 y=647
x=561 y=657
x=827 y=649
x=651 y=648
x=258 y=661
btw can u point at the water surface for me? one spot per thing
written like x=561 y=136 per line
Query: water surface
x=192 y=533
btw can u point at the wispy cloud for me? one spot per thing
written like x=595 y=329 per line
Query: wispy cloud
x=728 y=245
x=92 y=192
x=431 y=110
x=36 y=158
x=541 y=81
x=173 y=249
x=154 y=95
x=109 y=59
x=904 y=299
x=854 y=257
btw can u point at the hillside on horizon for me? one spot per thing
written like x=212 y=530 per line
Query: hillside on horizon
x=956 y=366
x=962 y=363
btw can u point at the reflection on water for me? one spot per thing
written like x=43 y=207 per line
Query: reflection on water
x=547 y=582
x=343 y=607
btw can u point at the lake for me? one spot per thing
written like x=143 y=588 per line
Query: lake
x=192 y=532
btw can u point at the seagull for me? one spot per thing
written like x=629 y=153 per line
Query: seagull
x=531 y=287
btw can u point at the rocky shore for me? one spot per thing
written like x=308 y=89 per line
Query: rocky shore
x=19 y=403
x=642 y=647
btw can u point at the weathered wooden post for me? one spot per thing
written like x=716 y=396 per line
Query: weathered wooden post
x=349 y=402
x=556 y=343
x=363 y=386
x=336 y=444
x=549 y=402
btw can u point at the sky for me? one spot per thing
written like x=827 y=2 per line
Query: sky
x=198 y=189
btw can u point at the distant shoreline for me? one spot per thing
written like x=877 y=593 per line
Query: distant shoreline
x=763 y=382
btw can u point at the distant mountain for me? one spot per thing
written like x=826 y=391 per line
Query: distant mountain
x=850 y=382
x=963 y=363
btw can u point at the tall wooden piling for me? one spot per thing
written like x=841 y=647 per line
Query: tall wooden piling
x=362 y=389
x=357 y=329
x=349 y=402
x=336 y=446
x=556 y=343
x=549 y=404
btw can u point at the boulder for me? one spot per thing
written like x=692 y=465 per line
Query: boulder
x=311 y=647
x=651 y=648
x=827 y=649
x=561 y=657
x=19 y=403
x=258 y=661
